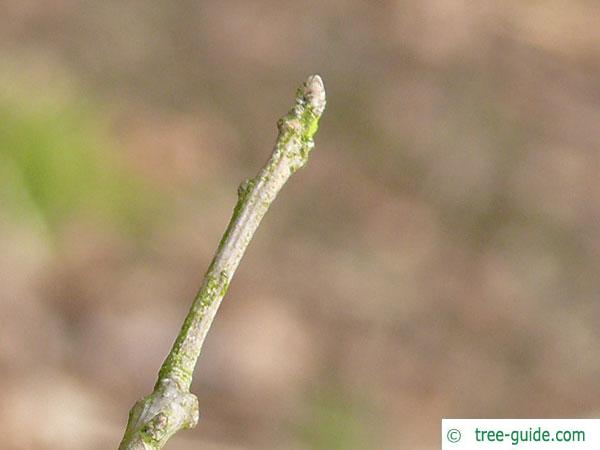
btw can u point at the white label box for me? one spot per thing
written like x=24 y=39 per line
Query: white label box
x=521 y=434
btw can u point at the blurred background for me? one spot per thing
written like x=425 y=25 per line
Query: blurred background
x=439 y=256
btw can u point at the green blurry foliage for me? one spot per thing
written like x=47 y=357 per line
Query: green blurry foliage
x=337 y=421
x=58 y=164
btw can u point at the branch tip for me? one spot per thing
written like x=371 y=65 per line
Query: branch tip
x=314 y=93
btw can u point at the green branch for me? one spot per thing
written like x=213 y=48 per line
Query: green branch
x=171 y=407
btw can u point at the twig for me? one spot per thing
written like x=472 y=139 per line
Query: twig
x=171 y=407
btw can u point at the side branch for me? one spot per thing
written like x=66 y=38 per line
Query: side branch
x=171 y=407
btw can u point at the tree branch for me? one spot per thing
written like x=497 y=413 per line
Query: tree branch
x=171 y=407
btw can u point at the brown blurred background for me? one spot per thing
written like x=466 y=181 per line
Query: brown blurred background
x=438 y=256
